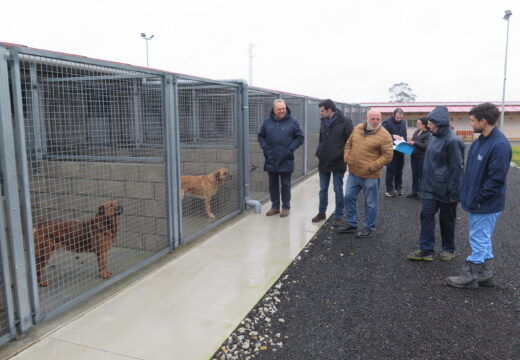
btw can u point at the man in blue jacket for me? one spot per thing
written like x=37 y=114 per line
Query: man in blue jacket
x=396 y=126
x=483 y=195
x=279 y=137
x=440 y=188
x=335 y=130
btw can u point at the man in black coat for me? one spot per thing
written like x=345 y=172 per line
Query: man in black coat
x=396 y=126
x=334 y=132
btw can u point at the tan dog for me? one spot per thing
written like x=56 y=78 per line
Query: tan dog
x=94 y=235
x=204 y=186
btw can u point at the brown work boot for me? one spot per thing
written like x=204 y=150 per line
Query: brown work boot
x=272 y=212
x=338 y=222
x=284 y=213
x=319 y=217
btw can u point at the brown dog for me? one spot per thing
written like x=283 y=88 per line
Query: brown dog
x=94 y=235
x=204 y=186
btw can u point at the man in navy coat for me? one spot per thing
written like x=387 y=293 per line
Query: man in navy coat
x=483 y=195
x=279 y=137
x=396 y=126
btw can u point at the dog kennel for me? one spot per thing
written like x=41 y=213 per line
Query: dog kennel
x=78 y=133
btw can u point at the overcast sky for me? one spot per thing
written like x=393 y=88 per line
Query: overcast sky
x=351 y=51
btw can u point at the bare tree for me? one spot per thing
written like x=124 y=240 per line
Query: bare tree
x=401 y=92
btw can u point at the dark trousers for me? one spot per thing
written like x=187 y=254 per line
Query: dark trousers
x=394 y=172
x=447 y=217
x=277 y=181
x=417 y=167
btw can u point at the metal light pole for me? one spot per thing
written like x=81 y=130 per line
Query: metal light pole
x=143 y=35
x=251 y=56
x=506 y=18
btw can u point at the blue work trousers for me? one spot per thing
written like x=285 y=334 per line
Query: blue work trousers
x=481 y=227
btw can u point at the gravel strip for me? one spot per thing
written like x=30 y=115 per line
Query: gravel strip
x=347 y=298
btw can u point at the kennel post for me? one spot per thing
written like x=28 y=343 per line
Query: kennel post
x=14 y=224
x=173 y=160
x=23 y=170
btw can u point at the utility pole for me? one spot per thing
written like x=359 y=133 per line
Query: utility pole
x=251 y=56
x=506 y=18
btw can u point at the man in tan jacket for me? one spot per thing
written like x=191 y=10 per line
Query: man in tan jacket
x=367 y=150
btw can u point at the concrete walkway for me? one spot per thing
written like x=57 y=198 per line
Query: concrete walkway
x=187 y=308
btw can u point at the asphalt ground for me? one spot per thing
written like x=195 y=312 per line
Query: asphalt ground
x=350 y=298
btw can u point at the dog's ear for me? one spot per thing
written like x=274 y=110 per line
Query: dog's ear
x=217 y=175
x=101 y=210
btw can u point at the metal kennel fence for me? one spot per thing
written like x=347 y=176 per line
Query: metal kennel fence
x=105 y=167
x=7 y=326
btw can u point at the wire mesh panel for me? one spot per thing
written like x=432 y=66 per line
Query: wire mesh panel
x=312 y=136
x=260 y=106
x=358 y=114
x=297 y=107
x=94 y=140
x=208 y=115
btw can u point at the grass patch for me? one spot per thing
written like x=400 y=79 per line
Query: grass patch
x=516 y=155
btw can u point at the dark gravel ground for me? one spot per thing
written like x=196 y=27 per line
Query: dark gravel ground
x=350 y=298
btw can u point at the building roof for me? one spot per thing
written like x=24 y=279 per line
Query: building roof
x=426 y=107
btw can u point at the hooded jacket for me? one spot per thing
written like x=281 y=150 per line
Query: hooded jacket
x=279 y=138
x=366 y=154
x=484 y=183
x=443 y=161
x=332 y=143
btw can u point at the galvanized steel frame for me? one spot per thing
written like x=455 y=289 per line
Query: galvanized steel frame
x=23 y=304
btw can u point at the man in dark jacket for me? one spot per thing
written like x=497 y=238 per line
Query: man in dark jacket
x=440 y=187
x=279 y=137
x=334 y=132
x=483 y=195
x=396 y=126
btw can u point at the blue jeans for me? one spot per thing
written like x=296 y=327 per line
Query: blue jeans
x=447 y=217
x=370 y=189
x=417 y=170
x=481 y=227
x=337 y=183
x=394 y=172
x=277 y=181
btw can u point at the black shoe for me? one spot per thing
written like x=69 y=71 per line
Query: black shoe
x=347 y=229
x=420 y=255
x=365 y=233
x=391 y=194
x=399 y=191
x=412 y=196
